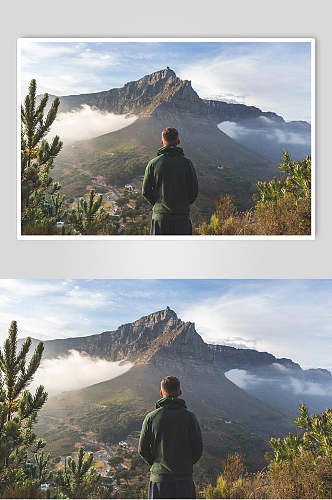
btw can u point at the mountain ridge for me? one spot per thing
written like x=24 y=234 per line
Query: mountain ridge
x=228 y=160
x=163 y=334
x=153 y=90
x=156 y=345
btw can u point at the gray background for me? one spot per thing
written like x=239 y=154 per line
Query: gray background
x=166 y=259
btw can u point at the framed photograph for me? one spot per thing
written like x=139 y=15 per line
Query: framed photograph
x=209 y=377
x=170 y=138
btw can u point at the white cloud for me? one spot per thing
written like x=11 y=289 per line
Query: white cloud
x=81 y=298
x=45 y=321
x=93 y=59
x=260 y=75
x=87 y=122
x=75 y=371
x=64 y=68
x=305 y=387
x=48 y=309
x=246 y=380
x=288 y=137
x=236 y=131
x=239 y=342
x=24 y=288
x=280 y=367
x=60 y=83
x=279 y=318
x=34 y=52
x=242 y=378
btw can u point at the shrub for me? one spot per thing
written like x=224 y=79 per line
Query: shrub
x=284 y=206
x=301 y=466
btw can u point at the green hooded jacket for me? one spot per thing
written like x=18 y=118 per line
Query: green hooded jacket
x=170 y=183
x=170 y=441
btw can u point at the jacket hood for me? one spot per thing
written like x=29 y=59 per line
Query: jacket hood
x=171 y=402
x=170 y=150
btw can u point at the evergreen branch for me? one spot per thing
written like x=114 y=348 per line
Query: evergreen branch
x=42 y=104
x=40 y=398
x=24 y=350
x=44 y=127
x=25 y=378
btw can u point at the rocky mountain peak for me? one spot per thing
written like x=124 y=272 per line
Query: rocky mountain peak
x=161 y=90
x=165 y=316
x=157 y=76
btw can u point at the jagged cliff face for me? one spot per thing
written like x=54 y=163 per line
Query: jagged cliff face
x=224 y=111
x=162 y=338
x=163 y=92
x=228 y=159
x=232 y=357
x=158 y=337
x=156 y=93
x=161 y=344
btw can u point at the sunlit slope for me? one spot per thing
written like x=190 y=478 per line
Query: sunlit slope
x=121 y=156
x=230 y=418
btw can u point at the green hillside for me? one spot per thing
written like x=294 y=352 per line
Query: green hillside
x=113 y=410
x=120 y=157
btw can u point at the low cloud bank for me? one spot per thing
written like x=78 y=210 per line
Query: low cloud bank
x=75 y=371
x=86 y=123
x=237 y=131
x=247 y=381
x=242 y=378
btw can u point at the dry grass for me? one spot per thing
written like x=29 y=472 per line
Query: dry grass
x=303 y=477
x=285 y=216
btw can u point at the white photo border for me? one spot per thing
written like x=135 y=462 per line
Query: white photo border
x=312 y=236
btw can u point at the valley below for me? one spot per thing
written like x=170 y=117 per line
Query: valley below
x=232 y=146
x=106 y=417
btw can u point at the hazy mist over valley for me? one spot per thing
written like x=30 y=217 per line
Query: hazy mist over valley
x=116 y=99
x=87 y=122
x=76 y=370
x=239 y=348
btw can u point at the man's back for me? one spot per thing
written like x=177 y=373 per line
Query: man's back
x=170 y=441
x=170 y=183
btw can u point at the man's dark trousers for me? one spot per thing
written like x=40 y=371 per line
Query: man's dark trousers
x=172 y=489
x=171 y=225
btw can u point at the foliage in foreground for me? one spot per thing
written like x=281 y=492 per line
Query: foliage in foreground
x=42 y=205
x=23 y=463
x=282 y=208
x=301 y=466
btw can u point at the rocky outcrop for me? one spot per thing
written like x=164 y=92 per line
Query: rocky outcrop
x=162 y=343
x=154 y=337
x=155 y=93
x=163 y=92
x=224 y=111
x=162 y=336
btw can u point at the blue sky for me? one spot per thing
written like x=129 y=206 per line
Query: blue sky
x=273 y=76
x=289 y=318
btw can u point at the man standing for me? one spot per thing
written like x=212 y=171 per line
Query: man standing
x=170 y=185
x=171 y=442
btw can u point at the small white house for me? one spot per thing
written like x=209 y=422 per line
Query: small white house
x=60 y=223
x=44 y=486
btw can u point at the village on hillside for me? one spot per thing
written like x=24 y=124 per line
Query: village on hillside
x=130 y=212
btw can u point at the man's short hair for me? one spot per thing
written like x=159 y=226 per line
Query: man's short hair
x=170 y=385
x=170 y=135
